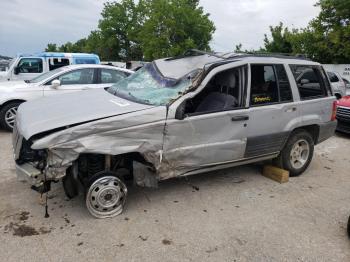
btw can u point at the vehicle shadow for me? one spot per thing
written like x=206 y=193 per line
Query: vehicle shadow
x=342 y=135
x=174 y=190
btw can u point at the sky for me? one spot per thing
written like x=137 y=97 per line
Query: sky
x=28 y=26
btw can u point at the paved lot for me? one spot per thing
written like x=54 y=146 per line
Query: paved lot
x=232 y=215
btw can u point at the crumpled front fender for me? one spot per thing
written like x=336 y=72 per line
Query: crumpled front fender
x=135 y=132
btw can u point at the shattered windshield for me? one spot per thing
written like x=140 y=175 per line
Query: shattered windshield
x=148 y=86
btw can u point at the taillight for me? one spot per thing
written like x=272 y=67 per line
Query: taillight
x=334 y=111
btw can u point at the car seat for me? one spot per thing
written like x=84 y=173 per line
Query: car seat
x=220 y=101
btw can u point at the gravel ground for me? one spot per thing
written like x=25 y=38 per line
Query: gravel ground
x=231 y=215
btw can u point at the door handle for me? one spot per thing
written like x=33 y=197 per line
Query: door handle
x=240 y=118
x=293 y=109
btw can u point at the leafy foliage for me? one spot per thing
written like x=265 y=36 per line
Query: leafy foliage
x=326 y=39
x=280 y=42
x=173 y=27
x=146 y=29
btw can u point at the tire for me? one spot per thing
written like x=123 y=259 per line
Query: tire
x=297 y=153
x=8 y=115
x=70 y=185
x=348 y=228
x=105 y=195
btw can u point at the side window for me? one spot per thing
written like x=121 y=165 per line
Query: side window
x=78 y=77
x=264 y=88
x=309 y=81
x=79 y=61
x=333 y=77
x=30 y=65
x=283 y=84
x=224 y=91
x=57 y=62
x=111 y=76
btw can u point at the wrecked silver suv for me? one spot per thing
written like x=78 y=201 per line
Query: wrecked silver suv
x=175 y=117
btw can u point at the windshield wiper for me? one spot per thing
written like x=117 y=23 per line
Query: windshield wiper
x=27 y=81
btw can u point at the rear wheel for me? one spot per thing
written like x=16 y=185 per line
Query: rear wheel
x=348 y=227
x=8 y=115
x=106 y=195
x=297 y=153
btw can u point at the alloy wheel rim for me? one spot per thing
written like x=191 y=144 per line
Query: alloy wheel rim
x=299 y=154
x=10 y=116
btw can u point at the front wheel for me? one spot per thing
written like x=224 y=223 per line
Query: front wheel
x=8 y=115
x=106 y=195
x=297 y=153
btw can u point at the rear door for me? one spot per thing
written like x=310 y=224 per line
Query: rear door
x=316 y=103
x=72 y=81
x=272 y=109
x=107 y=77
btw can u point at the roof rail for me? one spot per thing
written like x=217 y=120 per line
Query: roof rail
x=230 y=55
x=194 y=52
x=274 y=55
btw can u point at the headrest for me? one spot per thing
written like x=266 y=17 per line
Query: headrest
x=228 y=80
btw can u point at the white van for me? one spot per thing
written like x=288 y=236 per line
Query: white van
x=26 y=67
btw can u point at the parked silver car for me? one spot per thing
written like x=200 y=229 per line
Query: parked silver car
x=338 y=84
x=175 y=117
x=347 y=83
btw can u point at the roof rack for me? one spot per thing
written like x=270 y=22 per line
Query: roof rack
x=230 y=55
x=266 y=54
x=195 y=52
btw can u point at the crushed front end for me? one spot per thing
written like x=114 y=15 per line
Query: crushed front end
x=31 y=165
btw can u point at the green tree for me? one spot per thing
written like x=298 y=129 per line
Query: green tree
x=51 y=47
x=331 y=31
x=174 y=26
x=146 y=29
x=326 y=38
x=280 y=41
x=118 y=29
x=238 y=48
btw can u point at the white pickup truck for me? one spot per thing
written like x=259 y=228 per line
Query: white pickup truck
x=28 y=66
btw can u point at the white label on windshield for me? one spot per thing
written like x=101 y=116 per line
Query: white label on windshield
x=120 y=103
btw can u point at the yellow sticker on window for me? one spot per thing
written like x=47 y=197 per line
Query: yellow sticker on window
x=262 y=99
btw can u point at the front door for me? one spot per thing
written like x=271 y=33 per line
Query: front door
x=214 y=128
x=76 y=80
x=28 y=68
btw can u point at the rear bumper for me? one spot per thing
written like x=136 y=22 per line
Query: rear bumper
x=326 y=131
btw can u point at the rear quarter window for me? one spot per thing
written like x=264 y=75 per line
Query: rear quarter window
x=310 y=81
